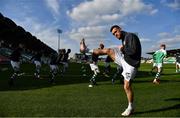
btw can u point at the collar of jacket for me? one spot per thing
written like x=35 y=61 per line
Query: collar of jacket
x=123 y=33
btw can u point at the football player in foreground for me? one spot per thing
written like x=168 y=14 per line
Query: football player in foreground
x=127 y=55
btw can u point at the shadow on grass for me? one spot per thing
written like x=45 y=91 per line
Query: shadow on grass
x=173 y=99
x=142 y=77
x=28 y=82
x=151 y=81
x=73 y=76
x=148 y=81
x=142 y=74
x=177 y=106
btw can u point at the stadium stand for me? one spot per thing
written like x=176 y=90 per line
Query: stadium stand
x=12 y=35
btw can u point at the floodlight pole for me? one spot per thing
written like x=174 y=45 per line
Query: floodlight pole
x=59 y=32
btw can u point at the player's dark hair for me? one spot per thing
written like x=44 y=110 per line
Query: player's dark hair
x=163 y=45
x=101 y=45
x=114 y=26
x=69 y=50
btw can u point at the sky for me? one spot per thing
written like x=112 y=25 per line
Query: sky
x=155 y=21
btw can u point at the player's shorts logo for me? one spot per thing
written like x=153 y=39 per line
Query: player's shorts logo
x=128 y=75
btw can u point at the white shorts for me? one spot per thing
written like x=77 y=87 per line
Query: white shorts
x=177 y=63
x=158 y=65
x=15 y=64
x=94 y=68
x=65 y=64
x=37 y=63
x=129 y=71
x=54 y=67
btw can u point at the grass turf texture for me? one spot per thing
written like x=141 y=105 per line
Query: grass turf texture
x=71 y=97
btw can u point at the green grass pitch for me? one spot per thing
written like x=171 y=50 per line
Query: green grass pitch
x=71 y=97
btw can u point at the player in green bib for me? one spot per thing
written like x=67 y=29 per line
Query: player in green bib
x=158 y=57
x=178 y=62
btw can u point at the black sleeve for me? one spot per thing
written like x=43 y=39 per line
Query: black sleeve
x=130 y=45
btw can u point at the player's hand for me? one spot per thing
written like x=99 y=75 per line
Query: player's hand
x=120 y=47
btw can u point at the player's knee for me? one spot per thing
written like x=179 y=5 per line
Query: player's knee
x=127 y=86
